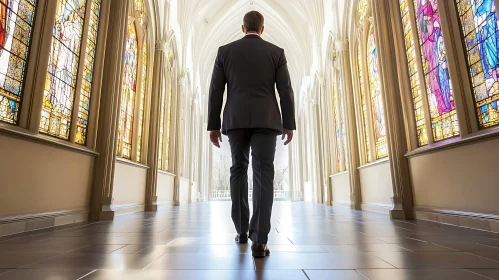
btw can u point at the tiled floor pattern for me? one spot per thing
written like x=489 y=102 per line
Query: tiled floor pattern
x=308 y=241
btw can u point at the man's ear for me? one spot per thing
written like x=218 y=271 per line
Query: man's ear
x=263 y=29
x=242 y=27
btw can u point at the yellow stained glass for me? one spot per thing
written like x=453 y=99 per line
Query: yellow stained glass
x=378 y=113
x=364 y=103
x=143 y=90
x=413 y=74
x=362 y=9
x=60 y=84
x=339 y=128
x=162 y=131
x=125 y=127
x=86 y=85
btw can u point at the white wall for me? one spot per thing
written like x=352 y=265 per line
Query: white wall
x=129 y=184
x=38 y=178
x=165 y=187
x=341 y=188
x=463 y=178
x=376 y=187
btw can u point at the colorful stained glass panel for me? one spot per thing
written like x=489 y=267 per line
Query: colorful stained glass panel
x=435 y=67
x=16 y=22
x=378 y=113
x=143 y=89
x=417 y=98
x=86 y=83
x=480 y=28
x=125 y=128
x=61 y=79
x=364 y=103
x=339 y=127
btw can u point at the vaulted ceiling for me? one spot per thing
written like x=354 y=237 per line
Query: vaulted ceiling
x=295 y=25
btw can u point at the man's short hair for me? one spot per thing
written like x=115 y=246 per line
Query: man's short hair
x=253 y=21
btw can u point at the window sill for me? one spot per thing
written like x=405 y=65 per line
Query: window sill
x=166 y=173
x=455 y=142
x=374 y=163
x=44 y=139
x=339 y=174
x=131 y=163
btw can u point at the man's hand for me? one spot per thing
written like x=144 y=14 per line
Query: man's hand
x=289 y=134
x=216 y=137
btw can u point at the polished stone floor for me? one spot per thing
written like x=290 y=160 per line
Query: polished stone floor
x=308 y=241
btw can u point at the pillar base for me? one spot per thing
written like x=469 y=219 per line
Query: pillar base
x=354 y=204
x=151 y=204
x=106 y=215
x=176 y=203
x=400 y=211
x=104 y=211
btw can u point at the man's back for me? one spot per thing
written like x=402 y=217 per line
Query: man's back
x=251 y=68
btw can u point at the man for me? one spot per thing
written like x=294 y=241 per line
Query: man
x=252 y=68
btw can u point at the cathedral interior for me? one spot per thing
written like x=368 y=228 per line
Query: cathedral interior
x=107 y=171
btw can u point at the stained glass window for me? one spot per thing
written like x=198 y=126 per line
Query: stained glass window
x=435 y=67
x=61 y=79
x=481 y=37
x=125 y=128
x=162 y=130
x=417 y=98
x=376 y=98
x=364 y=103
x=16 y=22
x=139 y=8
x=362 y=8
x=339 y=126
x=168 y=127
x=143 y=90
x=86 y=85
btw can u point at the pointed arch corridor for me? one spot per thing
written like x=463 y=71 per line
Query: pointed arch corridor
x=106 y=170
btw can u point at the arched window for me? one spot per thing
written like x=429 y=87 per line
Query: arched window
x=143 y=91
x=367 y=144
x=417 y=98
x=377 y=110
x=86 y=87
x=66 y=97
x=339 y=121
x=16 y=23
x=423 y=15
x=480 y=33
x=60 y=85
x=166 y=112
x=135 y=87
x=125 y=128
x=375 y=143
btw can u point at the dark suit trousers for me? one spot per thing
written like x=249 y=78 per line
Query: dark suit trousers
x=262 y=143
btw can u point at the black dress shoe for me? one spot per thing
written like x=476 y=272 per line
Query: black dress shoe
x=242 y=238
x=260 y=250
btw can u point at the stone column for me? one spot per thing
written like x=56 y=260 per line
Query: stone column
x=102 y=189
x=351 y=131
x=157 y=93
x=397 y=142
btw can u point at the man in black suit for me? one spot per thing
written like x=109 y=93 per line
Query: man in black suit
x=252 y=69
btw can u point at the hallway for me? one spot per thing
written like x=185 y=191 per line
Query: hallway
x=308 y=241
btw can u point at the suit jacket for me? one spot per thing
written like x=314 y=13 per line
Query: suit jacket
x=252 y=69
